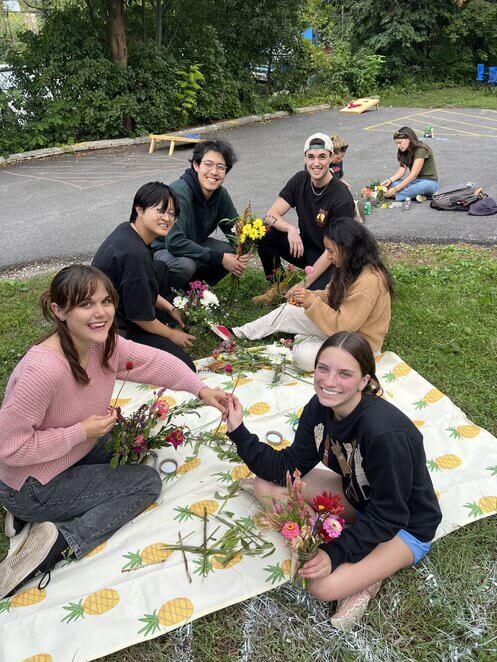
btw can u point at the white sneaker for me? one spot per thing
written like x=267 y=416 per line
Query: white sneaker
x=17 y=567
x=421 y=198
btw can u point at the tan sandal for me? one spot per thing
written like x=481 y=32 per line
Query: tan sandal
x=351 y=609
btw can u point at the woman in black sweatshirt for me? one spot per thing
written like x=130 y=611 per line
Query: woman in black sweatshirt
x=378 y=466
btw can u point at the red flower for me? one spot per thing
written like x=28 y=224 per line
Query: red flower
x=228 y=369
x=328 y=503
x=175 y=438
x=129 y=365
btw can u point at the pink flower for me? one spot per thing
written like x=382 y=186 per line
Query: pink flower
x=332 y=527
x=309 y=270
x=290 y=530
x=216 y=352
x=228 y=369
x=140 y=444
x=162 y=409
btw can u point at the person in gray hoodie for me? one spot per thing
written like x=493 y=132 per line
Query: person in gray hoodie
x=189 y=251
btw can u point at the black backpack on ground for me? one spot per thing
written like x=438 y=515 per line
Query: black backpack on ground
x=456 y=198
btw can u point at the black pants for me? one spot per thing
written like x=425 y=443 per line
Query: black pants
x=275 y=246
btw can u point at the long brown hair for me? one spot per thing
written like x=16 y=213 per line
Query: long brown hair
x=407 y=158
x=69 y=288
x=358 y=249
x=357 y=345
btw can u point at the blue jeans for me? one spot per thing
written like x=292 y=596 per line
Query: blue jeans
x=417 y=187
x=90 y=499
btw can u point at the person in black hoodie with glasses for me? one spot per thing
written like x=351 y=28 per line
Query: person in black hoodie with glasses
x=189 y=251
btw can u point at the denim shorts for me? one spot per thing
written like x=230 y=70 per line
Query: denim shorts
x=419 y=549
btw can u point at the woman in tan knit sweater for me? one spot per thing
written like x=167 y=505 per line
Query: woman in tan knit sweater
x=358 y=298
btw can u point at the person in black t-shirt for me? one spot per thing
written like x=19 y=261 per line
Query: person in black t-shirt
x=319 y=199
x=378 y=467
x=144 y=314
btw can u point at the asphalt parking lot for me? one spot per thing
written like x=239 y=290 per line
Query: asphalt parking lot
x=63 y=207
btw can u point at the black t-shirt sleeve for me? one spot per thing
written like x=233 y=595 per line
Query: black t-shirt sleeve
x=343 y=204
x=388 y=465
x=138 y=300
x=272 y=465
x=289 y=191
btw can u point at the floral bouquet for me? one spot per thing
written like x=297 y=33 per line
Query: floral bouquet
x=374 y=193
x=307 y=272
x=304 y=528
x=197 y=304
x=134 y=436
x=249 y=228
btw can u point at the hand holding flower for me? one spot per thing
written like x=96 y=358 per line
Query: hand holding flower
x=175 y=313
x=319 y=566
x=214 y=397
x=235 y=413
x=98 y=426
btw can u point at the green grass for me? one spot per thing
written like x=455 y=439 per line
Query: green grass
x=412 y=95
x=438 y=96
x=444 y=327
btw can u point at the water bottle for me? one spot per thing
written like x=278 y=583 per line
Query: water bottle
x=407 y=204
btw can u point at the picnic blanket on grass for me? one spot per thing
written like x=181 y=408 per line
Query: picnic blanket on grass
x=130 y=589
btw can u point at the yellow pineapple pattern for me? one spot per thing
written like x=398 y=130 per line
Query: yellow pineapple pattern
x=418 y=423
x=485 y=506
x=187 y=466
x=39 y=657
x=400 y=370
x=286 y=566
x=152 y=506
x=278 y=572
x=448 y=461
x=95 y=604
x=150 y=555
x=185 y=513
x=279 y=447
x=429 y=398
x=241 y=471
x=120 y=402
x=27 y=598
x=96 y=550
x=218 y=561
x=171 y=613
x=379 y=357
x=469 y=431
x=258 y=409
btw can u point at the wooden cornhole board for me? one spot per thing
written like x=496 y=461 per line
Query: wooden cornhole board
x=361 y=105
x=154 y=137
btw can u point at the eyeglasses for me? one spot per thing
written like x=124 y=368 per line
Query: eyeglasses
x=218 y=167
x=171 y=215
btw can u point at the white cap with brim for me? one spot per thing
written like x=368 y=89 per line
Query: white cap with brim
x=322 y=142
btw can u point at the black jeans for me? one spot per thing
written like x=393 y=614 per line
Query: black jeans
x=275 y=246
x=90 y=499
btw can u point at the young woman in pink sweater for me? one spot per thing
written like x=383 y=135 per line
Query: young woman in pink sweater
x=53 y=463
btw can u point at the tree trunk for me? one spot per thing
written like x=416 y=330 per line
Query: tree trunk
x=158 y=22
x=117 y=32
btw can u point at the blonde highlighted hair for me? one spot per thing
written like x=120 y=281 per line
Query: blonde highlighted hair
x=339 y=144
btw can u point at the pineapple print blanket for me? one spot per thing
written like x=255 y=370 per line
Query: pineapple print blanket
x=130 y=589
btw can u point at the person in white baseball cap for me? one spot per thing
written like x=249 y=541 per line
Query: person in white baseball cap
x=319 y=199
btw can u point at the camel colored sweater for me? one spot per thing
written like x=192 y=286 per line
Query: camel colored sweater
x=41 y=433
x=366 y=308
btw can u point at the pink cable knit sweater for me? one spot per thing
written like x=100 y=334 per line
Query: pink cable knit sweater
x=41 y=433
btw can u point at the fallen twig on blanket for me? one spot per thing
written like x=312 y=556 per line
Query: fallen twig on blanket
x=185 y=560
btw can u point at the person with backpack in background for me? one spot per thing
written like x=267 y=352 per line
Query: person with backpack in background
x=415 y=158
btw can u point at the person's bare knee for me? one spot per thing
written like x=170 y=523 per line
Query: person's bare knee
x=264 y=489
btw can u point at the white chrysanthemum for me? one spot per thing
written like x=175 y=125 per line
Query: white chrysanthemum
x=180 y=302
x=278 y=353
x=209 y=299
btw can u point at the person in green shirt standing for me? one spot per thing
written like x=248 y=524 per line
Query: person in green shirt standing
x=188 y=251
x=415 y=158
